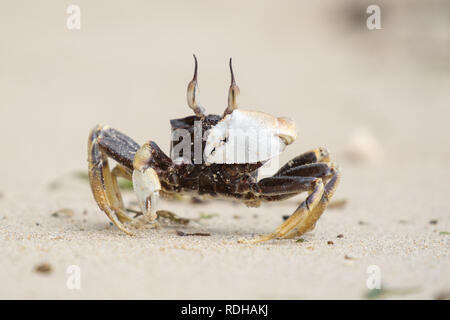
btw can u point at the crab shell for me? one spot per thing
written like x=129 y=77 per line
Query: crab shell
x=248 y=137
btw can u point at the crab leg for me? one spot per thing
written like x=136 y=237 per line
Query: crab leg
x=300 y=216
x=305 y=169
x=318 y=170
x=309 y=223
x=313 y=156
x=103 y=142
x=119 y=171
x=276 y=186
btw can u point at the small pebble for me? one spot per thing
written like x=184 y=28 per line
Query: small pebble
x=340 y=236
x=197 y=200
x=43 y=268
x=433 y=221
x=330 y=242
x=63 y=213
x=338 y=204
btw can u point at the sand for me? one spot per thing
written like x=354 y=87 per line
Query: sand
x=378 y=100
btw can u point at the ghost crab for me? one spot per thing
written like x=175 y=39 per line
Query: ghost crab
x=216 y=172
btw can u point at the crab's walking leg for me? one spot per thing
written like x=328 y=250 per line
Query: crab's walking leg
x=309 y=222
x=313 y=156
x=120 y=171
x=277 y=186
x=316 y=187
x=103 y=142
x=325 y=177
x=318 y=170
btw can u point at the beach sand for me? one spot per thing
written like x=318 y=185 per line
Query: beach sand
x=378 y=100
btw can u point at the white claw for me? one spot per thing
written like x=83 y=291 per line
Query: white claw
x=146 y=185
x=248 y=137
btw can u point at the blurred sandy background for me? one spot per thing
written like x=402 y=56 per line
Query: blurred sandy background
x=379 y=100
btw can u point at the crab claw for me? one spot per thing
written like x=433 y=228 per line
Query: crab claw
x=286 y=130
x=248 y=137
x=146 y=185
x=193 y=94
x=233 y=94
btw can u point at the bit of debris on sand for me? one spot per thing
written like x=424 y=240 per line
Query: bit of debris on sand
x=197 y=200
x=207 y=215
x=337 y=204
x=63 y=213
x=43 y=268
x=172 y=217
x=201 y=234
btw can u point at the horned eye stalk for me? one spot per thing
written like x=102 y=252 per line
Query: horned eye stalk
x=233 y=94
x=193 y=93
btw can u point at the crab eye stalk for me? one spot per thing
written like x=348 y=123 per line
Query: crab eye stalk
x=193 y=93
x=233 y=93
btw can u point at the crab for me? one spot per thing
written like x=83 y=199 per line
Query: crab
x=214 y=165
